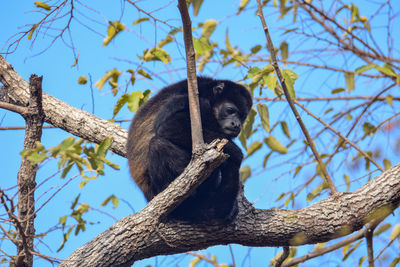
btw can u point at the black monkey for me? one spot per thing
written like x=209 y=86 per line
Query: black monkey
x=160 y=145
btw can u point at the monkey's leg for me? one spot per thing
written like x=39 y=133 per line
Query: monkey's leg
x=166 y=162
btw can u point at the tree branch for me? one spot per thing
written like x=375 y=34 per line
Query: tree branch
x=135 y=237
x=73 y=120
x=310 y=142
x=27 y=174
x=193 y=92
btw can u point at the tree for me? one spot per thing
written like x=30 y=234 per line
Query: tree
x=339 y=67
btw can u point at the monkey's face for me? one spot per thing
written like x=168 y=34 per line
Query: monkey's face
x=228 y=117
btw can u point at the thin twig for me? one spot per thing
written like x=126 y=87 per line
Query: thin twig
x=344 y=242
x=344 y=138
x=330 y=98
x=290 y=101
x=201 y=256
x=369 y=235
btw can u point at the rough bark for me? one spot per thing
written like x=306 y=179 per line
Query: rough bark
x=27 y=175
x=73 y=120
x=137 y=237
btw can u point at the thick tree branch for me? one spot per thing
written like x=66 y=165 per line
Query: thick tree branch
x=73 y=120
x=27 y=174
x=134 y=237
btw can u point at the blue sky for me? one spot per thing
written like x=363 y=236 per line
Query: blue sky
x=60 y=80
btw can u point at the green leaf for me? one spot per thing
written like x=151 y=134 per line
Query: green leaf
x=275 y=145
x=361 y=260
x=395 y=262
x=144 y=74
x=270 y=81
x=133 y=100
x=63 y=220
x=67 y=169
x=252 y=72
x=157 y=54
x=317 y=191
x=208 y=28
x=349 y=251
x=112 y=75
x=83 y=208
x=281 y=196
x=75 y=201
x=253 y=148
x=32 y=31
x=114 y=200
x=228 y=45
x=387 y=164
x=398 y=79
x=120 y=103
x=243 y=4
x=382 y=229
x=386 y=69
x=82 y=80
x=36 y=158
x=245 y=173
x=114 y=28
x=364 y=68
x=350 y=84
x=136 y=22
x=194 y=262
x=111 y=164
x=369 y=129
x=354 y=13
x=255 y=49
x=264 y=115
x=347 y=181
x=201 y=46
x=165 y=41
x=289 y=84
x=102 y=149
x=284 y=47
x=290 y=198
x=196 y=6
x=389 y=100
x=285 y=128
x=42 y=5
x=338 y=90
x=395 y=232
x=247 y=128
x=65 y=238
x=266 y=159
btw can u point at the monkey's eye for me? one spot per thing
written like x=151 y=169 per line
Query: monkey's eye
x=230 y=111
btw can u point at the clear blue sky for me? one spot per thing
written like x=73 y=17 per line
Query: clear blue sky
x=60 y=80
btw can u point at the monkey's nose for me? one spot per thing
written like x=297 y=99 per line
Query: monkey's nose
x=235 y=125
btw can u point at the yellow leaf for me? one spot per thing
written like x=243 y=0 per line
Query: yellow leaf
x=42 y=5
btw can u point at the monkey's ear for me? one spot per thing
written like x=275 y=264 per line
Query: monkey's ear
x=218 y=89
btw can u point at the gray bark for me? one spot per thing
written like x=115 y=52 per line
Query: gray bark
x=137 y=236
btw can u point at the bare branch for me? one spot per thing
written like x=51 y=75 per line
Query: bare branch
x=194 y=106
x=310 y=142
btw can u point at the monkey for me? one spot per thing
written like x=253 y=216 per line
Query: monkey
x=159 y=146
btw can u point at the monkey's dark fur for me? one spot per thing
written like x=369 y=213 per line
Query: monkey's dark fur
x=160 y=145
